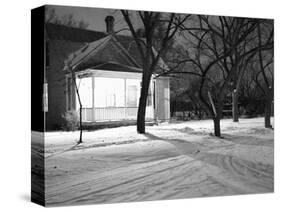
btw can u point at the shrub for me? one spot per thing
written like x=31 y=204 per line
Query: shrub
x=71 y=121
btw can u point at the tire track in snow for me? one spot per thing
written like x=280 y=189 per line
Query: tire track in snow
x=257 y=175
x=123 y=176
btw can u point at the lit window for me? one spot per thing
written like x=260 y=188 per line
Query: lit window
x=132 y=98
x=149 y=97
x=133 y=92
x=109 y=92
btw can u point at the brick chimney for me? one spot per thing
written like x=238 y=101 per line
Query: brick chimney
x=109 y=21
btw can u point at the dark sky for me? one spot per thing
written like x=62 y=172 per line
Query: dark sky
x=94 y=16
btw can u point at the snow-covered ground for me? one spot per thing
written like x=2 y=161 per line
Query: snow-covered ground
x=178 y=160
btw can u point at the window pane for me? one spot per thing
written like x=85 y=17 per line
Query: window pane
x=132 y=96
x=109 y=92
x=149 y=97
x=133 y=92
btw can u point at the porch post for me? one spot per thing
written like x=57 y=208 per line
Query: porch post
x=152 y=90
x=93 y=98
x=73 y=105
x=155 y=100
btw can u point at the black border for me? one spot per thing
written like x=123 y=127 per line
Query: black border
x=37 y=113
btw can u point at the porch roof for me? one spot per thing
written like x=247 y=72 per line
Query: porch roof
x=113 y=66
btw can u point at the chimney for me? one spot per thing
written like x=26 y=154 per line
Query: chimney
x=109 y=20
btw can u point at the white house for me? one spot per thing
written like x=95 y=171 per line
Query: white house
x=109 y=83
x=108 y=74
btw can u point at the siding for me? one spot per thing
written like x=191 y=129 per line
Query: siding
x=162 y=106
x=59 y=50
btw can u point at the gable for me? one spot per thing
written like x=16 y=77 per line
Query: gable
x=101 y=52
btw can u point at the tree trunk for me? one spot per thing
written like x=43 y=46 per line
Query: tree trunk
x=217 y=128
x=141 y=115
x=217 y=112
x=217 y=119
x=235 y=114
x=142 y=105
x=199 y=113
x=80 y=110
x=80 y=122
x=267 y=114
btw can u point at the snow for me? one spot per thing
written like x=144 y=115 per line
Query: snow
x=170 y=161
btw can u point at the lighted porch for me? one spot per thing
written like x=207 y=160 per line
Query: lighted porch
x=111 y=96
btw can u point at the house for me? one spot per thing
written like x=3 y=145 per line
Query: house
x=107 y=73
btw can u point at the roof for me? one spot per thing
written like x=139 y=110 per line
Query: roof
x=100 y=48
x=61 y=32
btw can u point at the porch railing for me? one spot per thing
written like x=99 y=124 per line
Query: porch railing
x=109 y=113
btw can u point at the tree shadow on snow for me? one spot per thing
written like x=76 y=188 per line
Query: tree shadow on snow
x=183 y=146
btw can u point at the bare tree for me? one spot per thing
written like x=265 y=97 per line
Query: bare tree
x=240 y=34
x=216 y=59
x=149 y=55
x=265 y=76
x=237 y=33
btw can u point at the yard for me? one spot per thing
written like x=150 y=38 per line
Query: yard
x=176 y=160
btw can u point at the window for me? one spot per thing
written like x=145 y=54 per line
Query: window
x=109 y=92
x=149 y=97
x=132 y=100
x=133 y=92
